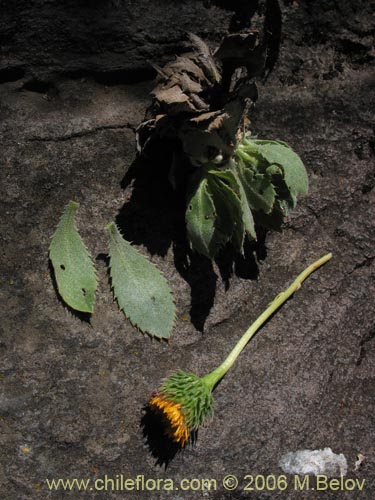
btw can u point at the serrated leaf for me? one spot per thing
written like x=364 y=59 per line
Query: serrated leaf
x=247 y=215
x=223 y=225
x=229 y=212
x=275 y=219
x=267 y=141
x=142 y=292
x=259 y=191
x=200 y=219
x=274 y=170
x=72 y=264
x=244 y=214
x=228 y=176
x=204 y=54
x=276 y=152
x=264 y=176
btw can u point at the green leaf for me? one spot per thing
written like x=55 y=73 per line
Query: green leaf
x=228 y=208
x=223 y=225
x=72 y=264
x=276 y=152
x=259 y=191
x=247 y=215
x=262 y=176
x=275 y=219
x=232 y=177
x=141 y=290
x=248 y=155
x=200 y=219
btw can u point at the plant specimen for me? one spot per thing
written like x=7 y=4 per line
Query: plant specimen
x=199 y=111
x=74 y=269
x=142 y=292
x=185 y=400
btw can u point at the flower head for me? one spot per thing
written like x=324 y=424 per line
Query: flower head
x=185 y=401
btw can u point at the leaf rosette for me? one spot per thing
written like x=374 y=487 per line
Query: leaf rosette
x=263 y=178
x=200 y=107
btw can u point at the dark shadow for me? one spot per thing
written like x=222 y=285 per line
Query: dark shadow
x=82 y=316
x=272 y=35
x=154 y=217
x=198 y=272
x=103 y=257
x=37 y=85
x=122 y=76
x=162 y=448
x=11 y=74
x=244 y=266
x=244 y=11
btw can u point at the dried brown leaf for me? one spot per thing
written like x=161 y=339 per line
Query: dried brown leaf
x=189 y=85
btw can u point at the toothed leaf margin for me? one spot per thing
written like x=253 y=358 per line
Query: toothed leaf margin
x=140 y=289
x=72 y=264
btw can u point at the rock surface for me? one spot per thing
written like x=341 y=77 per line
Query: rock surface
x=112 y=40
x=73 y=392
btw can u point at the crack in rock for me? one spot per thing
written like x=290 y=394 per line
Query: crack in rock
x=81 y=133
x=363 y=346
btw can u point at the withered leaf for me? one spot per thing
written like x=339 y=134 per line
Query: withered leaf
x=185 y=65
x=205 y=118
x=172 y=95
x=205 y=55
x=211 y=120
x=189 y=85
x=204 y=98
x=173 y=100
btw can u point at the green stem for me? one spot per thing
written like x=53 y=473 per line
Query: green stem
x=245 y=156
x=213 y=378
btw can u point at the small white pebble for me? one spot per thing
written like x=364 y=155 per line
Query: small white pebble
x=314 y=462
x=360 y=459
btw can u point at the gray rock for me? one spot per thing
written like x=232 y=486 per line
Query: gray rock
x=314 y=462
x=307 y=379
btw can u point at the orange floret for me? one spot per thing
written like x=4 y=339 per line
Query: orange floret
x=176 y=428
